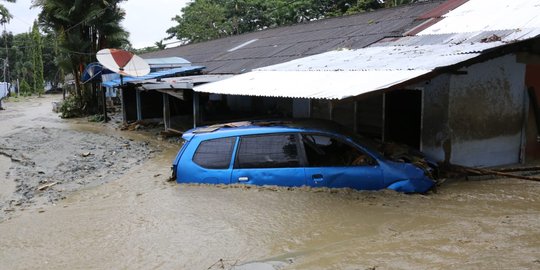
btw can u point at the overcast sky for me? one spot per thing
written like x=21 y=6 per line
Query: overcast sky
x=145 y=20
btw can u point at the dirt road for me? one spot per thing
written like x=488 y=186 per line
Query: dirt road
x=136 y=220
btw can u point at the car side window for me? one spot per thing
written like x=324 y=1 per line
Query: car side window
x=215 y=154
x=326 y=151
x=268 y=151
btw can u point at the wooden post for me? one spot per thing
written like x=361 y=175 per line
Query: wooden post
x=195 y=109
x=166 y=111
x=139 y=106
x=124 y=113
x=384 y=118
x=355 y=117
x=104 y=101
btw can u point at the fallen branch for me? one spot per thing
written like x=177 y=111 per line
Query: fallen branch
x=479 y=171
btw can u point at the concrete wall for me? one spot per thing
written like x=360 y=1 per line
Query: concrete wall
x=484 y=122
x=436 y=135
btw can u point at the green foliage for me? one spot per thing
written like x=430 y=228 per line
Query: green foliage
x=37 y=61
x=82 y=28
x=201 y=20
x=209 y=19
x=5 y=16
x=52 y=69
x=70 y=108
x=25 y=88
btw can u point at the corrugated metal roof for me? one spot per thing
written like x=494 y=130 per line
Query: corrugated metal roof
x=489 y=15
x=292 y=42
x=346 y=73
x=386 y=58
x=314 y=84
x=153 y=75
x=462 y=38
x=178 y=61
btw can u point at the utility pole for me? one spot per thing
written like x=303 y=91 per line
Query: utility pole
x=4 y=77
x=6 y=60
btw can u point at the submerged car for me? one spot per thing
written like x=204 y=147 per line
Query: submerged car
x=293 y=154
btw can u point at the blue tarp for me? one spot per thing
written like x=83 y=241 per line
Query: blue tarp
x=93 y=72
x=153 y=75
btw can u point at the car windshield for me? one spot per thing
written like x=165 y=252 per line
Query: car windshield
x=367 y=143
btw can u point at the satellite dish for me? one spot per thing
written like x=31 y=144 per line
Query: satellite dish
x=92 y=72
x=123 y=62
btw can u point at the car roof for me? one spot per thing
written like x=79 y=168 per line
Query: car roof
x=263 y=127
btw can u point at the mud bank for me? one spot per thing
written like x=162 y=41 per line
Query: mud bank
x=49 y=163
x=43 y=161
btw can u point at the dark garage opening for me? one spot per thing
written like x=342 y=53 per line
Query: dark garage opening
x=403 y=115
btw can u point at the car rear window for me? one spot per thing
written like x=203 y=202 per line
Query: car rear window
x=268 y=151
x=215 y=154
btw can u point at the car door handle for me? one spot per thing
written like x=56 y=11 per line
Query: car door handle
x=317 y=177
x=243 y=179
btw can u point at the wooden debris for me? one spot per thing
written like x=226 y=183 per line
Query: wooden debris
x=519 y=169
x=480 y=171
x=47 y=186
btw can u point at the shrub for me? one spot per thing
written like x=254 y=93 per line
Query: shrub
x=70 y=108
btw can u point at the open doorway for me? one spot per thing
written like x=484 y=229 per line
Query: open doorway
x=403 y=117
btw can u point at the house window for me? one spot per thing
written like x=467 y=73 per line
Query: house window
x=215 y=154
x=269 y=151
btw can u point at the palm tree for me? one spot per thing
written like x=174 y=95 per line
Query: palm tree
x=5 y=16
x=83 y=28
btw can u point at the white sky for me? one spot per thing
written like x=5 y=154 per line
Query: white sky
x=146 y=21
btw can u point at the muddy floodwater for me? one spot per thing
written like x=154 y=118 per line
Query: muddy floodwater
x=137 y=220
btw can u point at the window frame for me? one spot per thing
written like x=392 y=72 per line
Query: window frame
x=232 y=152
x=339 y=138
x=302 y=161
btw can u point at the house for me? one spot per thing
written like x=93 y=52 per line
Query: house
x=239 y=54
x=462 y=89
x=456 y=79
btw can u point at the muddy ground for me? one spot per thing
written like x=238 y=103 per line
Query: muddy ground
x=120 y=213
x=47 y=163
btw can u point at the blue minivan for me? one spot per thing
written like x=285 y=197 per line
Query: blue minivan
x=293 y=154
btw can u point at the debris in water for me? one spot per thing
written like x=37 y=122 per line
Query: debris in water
x=86 y=154
x=46 y=186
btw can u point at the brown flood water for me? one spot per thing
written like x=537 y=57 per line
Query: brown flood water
x=139 y=221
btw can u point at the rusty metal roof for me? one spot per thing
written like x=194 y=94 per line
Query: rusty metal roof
x=442 y=9
x=242 y=53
